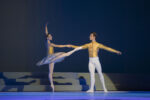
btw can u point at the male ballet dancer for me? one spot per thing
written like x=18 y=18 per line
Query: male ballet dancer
x=93 y=48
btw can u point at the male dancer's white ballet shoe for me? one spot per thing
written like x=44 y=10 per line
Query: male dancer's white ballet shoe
x=90 y=91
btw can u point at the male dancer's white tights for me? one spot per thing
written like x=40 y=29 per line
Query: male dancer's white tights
x=95 y=64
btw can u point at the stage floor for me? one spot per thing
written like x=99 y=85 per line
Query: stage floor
x=99 y=95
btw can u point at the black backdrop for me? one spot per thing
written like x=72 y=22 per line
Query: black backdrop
x=120 y=24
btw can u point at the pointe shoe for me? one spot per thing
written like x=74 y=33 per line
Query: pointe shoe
x=90 y=91
x=78 y=48
x=105 y=90
x=52 y=87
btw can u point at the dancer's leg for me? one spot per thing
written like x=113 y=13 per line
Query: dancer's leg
x=72 y=51
x=92 y=76
x=66 y=54
x=99 y=70
x=51 y=69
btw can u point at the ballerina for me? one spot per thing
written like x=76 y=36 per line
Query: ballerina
x=50 y=53
x=52 y=57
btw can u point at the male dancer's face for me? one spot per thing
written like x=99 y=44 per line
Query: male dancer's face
x=92 y=37
x=50 y=37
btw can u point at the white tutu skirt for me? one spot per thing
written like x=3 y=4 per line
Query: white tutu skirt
x=53 y=58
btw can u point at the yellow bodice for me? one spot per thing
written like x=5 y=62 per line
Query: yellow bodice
x=50 y=50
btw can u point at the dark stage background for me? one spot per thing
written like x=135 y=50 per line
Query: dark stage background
x=120 y=24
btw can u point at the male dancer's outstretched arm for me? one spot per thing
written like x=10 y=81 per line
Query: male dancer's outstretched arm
x=101 y=46
x=73 y=46
x=85 y=46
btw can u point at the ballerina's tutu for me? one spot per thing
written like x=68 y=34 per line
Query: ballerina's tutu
x=53 y=58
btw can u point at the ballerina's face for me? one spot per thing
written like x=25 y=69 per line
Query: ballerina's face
x=49 y=37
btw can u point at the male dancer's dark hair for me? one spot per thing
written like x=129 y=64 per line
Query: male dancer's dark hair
x=94 y=34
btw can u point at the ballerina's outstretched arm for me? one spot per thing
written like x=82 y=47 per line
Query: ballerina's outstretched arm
x=59 y=46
